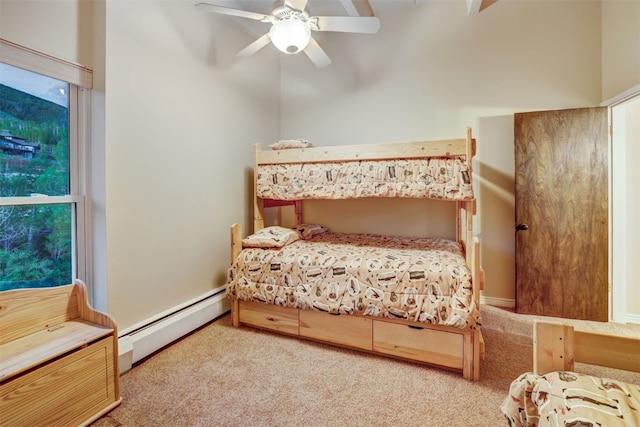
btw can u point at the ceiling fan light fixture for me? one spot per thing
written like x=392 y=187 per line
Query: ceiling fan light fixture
x=290 y=35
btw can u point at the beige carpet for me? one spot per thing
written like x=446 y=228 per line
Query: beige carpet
x=225 y=376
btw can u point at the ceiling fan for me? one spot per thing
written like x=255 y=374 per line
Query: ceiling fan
x=291 y=27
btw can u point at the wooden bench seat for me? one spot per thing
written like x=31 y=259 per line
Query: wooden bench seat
x=35 y=349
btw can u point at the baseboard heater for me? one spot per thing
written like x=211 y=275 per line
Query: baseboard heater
x=145 y=338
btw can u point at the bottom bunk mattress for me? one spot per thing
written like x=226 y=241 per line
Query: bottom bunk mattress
x=419 y=279
x=564 y=398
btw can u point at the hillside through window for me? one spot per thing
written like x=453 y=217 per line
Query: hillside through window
x=38 y=210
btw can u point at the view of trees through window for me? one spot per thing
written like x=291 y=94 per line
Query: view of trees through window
x=36 y=241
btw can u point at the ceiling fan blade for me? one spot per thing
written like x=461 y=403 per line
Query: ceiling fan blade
x=346 y=24
x=255 y=46
x=316 y=54
x=233 y=12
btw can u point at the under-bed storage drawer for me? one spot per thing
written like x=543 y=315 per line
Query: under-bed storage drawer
x=269 y=316
x=352 y=331
x=427 y=345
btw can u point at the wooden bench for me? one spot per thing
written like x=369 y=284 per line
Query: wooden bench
x=58 y=358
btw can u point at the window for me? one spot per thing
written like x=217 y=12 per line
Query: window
x=42 y=201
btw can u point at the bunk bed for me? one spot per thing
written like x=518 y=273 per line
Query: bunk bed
x=554 y=394
x=410 y=298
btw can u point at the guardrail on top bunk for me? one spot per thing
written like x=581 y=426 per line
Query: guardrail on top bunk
x=458 y=147
x=465 y=147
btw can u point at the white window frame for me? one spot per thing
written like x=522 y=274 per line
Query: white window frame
x=80 y=79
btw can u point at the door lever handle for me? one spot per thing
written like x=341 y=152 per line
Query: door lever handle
x=522 y=227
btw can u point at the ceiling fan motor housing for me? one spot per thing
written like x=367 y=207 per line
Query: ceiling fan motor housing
x=290 y=30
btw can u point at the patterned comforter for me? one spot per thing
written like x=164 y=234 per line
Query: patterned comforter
x=571 y=399
x=420 y=279
x=434 y=178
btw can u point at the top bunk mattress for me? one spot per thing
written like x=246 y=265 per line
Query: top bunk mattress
x=444 y=178
x=419 y=279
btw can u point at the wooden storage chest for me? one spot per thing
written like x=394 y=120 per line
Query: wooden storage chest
x=58 y=358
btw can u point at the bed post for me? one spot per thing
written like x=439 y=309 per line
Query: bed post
x=258 y=214
x=473 y=260
x=236 y=241
x=471 y=149
x=236 y=247
x=552 y=347
x=298 y=207
x=258 y=203
x=459 y=207
x=470 y=211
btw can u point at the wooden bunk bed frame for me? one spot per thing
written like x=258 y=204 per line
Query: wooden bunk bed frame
x=443 y=346
x=558 y=346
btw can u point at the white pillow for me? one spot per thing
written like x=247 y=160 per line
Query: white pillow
x=283 y=144
x=271 y=237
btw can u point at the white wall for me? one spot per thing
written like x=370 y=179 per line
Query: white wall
x=433 y=70
x=620 y=46
x=182 y=116
x=58 y=19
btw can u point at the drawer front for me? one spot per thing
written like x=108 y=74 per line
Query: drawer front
x=269 y=316
x=427 y=345
x=352 y=331
x=66 y=391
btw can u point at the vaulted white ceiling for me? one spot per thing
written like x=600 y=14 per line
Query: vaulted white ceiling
x=331 y=8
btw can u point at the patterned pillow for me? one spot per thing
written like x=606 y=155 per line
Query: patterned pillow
x=307 y=231
x=271 y=237
x=291 y=143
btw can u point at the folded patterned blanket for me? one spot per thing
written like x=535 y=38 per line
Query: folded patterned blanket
x=571 y=399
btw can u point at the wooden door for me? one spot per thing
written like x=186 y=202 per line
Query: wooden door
x=561 y=160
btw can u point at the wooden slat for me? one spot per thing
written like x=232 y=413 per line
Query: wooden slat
x=270 y=203
x=557 y=346
x=607 y=350
x=404 y=150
